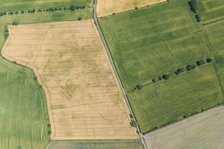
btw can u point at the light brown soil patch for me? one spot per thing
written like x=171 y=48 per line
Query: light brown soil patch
x=84 y=97
x=107 y=7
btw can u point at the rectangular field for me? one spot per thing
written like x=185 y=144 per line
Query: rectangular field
x=203 y=131
x=150 y=42
x=84 y=97
x=211 y=9
x=19 y=5
x=107 y=7
x=129 y=144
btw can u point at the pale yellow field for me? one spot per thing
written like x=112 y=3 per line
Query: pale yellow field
x=107 y=7
x=84 y=97
x=202 y=131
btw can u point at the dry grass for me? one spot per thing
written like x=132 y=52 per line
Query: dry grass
x=203 y=131
x=84 y=98
x=107 y=7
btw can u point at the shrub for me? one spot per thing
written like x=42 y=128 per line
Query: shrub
x=209 y=60
x=179 y=71
x=190 y=67
x=72 y=7
x=15 y=23
x=153 y=80
x=200 y=62
x=160 y=78
x=79 y=18
x=138 y=86
x=165 y=77
x=198 y=17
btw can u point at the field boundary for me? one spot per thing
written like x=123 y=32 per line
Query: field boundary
x=131 y=9
x=106 y=47
x=39 y=79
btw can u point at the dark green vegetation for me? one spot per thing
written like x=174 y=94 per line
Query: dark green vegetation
x=95 y=145
x=24 y=122
x=156 y=41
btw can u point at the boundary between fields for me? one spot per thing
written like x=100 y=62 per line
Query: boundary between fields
x=96 y=22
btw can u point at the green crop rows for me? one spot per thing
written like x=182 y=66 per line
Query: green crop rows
x=150 y=42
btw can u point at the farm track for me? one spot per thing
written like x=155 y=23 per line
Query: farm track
x=115 y=70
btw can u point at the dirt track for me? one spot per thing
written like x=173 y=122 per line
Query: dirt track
x=84 y=98
x=107 y=7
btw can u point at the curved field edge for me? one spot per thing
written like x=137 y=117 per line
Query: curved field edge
x=24 y=119
x=22 y=94
x=180 y=44
x=121 y=144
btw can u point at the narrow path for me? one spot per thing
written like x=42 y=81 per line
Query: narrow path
x=115 y=70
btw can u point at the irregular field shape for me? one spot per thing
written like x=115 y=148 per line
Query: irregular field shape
x=203 y=131
x=23 y=109
x=107 y=7
x=150 y=42
x=130 y=144
x=84 y=98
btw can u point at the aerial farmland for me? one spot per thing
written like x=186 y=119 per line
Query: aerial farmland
x=106 y=74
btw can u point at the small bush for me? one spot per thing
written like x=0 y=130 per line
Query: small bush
x=79 y=18
x=200 y=62
x=209 y=60
x=165 y=77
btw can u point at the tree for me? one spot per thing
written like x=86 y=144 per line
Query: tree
x=160 y=78
x=193 y=5
x=165 y=77
x=209 y=60
x=79 y=18
x=190 y=67
x=72 y=7
x=179 y=71
x=138 y=86
x=154 y=80
x=15 y=23
x=200 y=62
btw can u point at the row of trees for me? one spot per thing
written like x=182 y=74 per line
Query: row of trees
x=194 y=7
x=181 y=70
x=71 y=8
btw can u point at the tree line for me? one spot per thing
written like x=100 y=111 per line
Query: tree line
x=70 y=8
x=193 y=4
x=178 y=71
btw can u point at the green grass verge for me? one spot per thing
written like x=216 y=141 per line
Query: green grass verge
x=147 y=43
x=95 y=145
x=23 y=111
x=18 y=5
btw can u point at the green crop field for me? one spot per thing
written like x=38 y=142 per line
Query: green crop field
x=148 y=43
x=19 y=5
x=216 y=38
x=210 y=9
x=95 y=145
x=23 y=111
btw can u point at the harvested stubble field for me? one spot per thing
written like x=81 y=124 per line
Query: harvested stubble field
x=24 y=116
x=149 y=42
x=107 y=7
x=203 y=131
x=128 y=144
x=84 y=98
